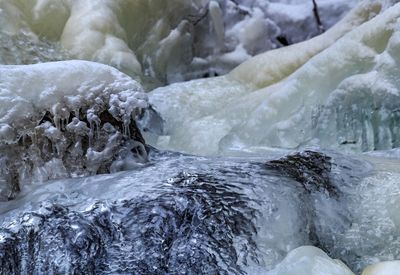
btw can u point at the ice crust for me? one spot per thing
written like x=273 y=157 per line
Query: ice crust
x=68 y=118
x=165 y=41
x=337 y=90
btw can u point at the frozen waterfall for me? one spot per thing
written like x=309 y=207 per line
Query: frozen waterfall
x=200 y=137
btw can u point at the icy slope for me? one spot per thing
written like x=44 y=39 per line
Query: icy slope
x=66 y=118
x=328 y=91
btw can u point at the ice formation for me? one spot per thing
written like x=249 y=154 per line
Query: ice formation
x=165 y=41
x=207 y=216
x=337 y=90
x=66 y=118
x=309 y=260
x=303 y=213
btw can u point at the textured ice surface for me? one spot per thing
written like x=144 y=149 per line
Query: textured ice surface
x=309 y=260
x=66 y=118
x=375 y=211
x=328 y=91
x=167 y=41
x=180 y=213
x=204 y=215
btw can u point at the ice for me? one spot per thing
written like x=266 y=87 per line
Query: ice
x=374 y=207
x=337 y=90
x=255 y=214
x=238 y=209
x=308 y=260
x=66 y=118
x=69 y=131
x=159 y=42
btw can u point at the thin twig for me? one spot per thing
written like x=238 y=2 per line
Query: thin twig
x=321 y=28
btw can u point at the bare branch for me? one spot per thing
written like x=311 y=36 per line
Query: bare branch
x=321 y=28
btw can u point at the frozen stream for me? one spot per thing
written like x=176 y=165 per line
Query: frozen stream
x=181 y=213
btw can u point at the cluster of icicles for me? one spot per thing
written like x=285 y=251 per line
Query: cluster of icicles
x=86 y=133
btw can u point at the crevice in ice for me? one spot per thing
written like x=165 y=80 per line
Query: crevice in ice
x=70 y=147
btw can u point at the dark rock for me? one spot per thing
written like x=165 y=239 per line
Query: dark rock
x=309 y=168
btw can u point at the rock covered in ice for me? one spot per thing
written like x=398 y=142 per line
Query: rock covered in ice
x=338 y=90
x=201 y=215
x=309 y=260
x=166 y=41
x=373 y=235
x=66 y=118
x=186 y=209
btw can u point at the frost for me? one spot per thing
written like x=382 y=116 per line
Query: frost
x=66 y=118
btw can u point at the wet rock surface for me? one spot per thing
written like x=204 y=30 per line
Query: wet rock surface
x=309 y=168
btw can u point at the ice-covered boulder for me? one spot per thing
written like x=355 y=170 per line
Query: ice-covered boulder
x=337 y=90
x=64 y=119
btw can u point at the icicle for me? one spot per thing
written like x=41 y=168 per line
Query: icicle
x=49 y=146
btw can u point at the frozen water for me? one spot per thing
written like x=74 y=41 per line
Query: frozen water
x=328 y=91
x=162 y=41
x=269 y=211
x=206 y=215
x=66 y=119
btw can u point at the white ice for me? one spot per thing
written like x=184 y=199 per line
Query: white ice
x=337 y=90
x=165 y=41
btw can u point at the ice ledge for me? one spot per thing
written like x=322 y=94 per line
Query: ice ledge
x=68 y=118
